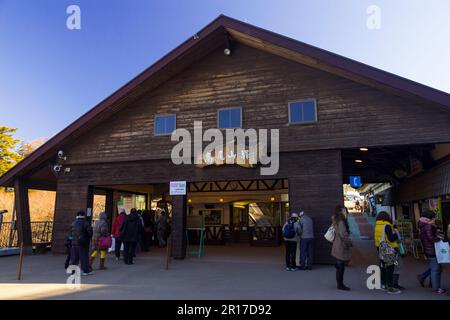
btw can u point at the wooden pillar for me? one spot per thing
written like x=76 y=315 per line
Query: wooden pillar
x=317 y=194
x=110 y=207
x=90 y=204
x=178 y=227
x=23 y=214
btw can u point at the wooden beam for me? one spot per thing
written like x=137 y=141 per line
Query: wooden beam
x=23 y=214
x=179 y=211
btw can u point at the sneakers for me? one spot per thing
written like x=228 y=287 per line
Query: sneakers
x=440 y=291
x=343 y=287
x=421 y=280
x=288 y=269
x=87 y=274
x=383 y=287
x=393 y=291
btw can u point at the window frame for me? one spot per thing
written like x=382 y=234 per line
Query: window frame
x=163 y=115
x=229 y=108
x=302 y=122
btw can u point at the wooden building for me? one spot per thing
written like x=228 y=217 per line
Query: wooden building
x=345 y=105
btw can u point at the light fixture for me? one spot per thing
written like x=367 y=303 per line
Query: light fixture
x=189 y=200
x=358 y=161
x=227 y=51
x=221 y=199
x=272 y=198
x=364 y=149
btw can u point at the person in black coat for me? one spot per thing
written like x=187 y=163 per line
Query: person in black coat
x=130 y=230
x=81 y=239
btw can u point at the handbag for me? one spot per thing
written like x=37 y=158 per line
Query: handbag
x=330 y=234
x=104 y=242
x=442 y=251
x=387 y=253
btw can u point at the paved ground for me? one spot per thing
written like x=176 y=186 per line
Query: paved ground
x=226 y=272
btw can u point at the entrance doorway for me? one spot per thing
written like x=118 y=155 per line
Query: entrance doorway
x=250 y=212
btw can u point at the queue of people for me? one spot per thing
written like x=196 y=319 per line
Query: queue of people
x=298 y=230
x=130 y=232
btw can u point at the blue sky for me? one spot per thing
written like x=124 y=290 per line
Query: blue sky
x=50 y=75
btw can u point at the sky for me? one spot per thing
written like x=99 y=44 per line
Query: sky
x=51 y=75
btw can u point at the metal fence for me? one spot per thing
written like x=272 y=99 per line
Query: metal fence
x=41 y=232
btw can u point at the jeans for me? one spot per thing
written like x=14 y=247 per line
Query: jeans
x=435 y=273
x=291 y=251
x=426 y=274
x=129 y=251
x=306 y=252
x=387 y=274
x=80 y=255
x=118 y=244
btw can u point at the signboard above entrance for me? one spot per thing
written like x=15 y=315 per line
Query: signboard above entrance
x=177 y=188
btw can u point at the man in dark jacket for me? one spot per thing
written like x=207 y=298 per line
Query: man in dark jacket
x=428 y=236
x=129 y=232
x=81 y=238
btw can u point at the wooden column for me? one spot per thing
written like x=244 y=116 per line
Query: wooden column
x=110 y=207
x=178 y=227
x=90 y=203
x=23 y=214
x=317 y=194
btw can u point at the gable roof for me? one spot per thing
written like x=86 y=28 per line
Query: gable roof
x=247 y=34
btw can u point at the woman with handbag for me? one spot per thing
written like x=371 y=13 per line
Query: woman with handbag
x=101 y=240
x=341 y=244
x=428 y=236
x=386 y=243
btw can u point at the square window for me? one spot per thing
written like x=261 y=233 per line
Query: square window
x=229 y=118
x=302 y=111
x=165 y=124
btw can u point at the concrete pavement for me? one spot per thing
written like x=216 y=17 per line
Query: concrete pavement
x=225 y=272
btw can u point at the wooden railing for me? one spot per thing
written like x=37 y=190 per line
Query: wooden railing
x=41 y=232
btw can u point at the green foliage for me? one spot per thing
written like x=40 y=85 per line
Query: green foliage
x=8 y=145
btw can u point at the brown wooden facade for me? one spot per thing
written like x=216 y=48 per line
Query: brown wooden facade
x=116 y=145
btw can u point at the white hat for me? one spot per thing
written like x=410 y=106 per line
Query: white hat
x=294 y=215
x=301 y=213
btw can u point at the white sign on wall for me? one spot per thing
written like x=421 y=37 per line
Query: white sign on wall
x=177 y=188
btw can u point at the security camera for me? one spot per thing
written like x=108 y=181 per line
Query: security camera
x=57 y=168
x=61 y=155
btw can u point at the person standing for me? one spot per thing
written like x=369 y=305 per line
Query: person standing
x=162 y=228
x=341 y=249
x=100 y=230
x=428 y=236
x=81 y=238
x=291 y=234
x=384 y=231
x=306 y=242
x=115 y=232
x=129 y=231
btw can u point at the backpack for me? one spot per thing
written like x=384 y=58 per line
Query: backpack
x=289 y=231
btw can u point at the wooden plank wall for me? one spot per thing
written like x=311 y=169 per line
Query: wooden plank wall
x=349 y=114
